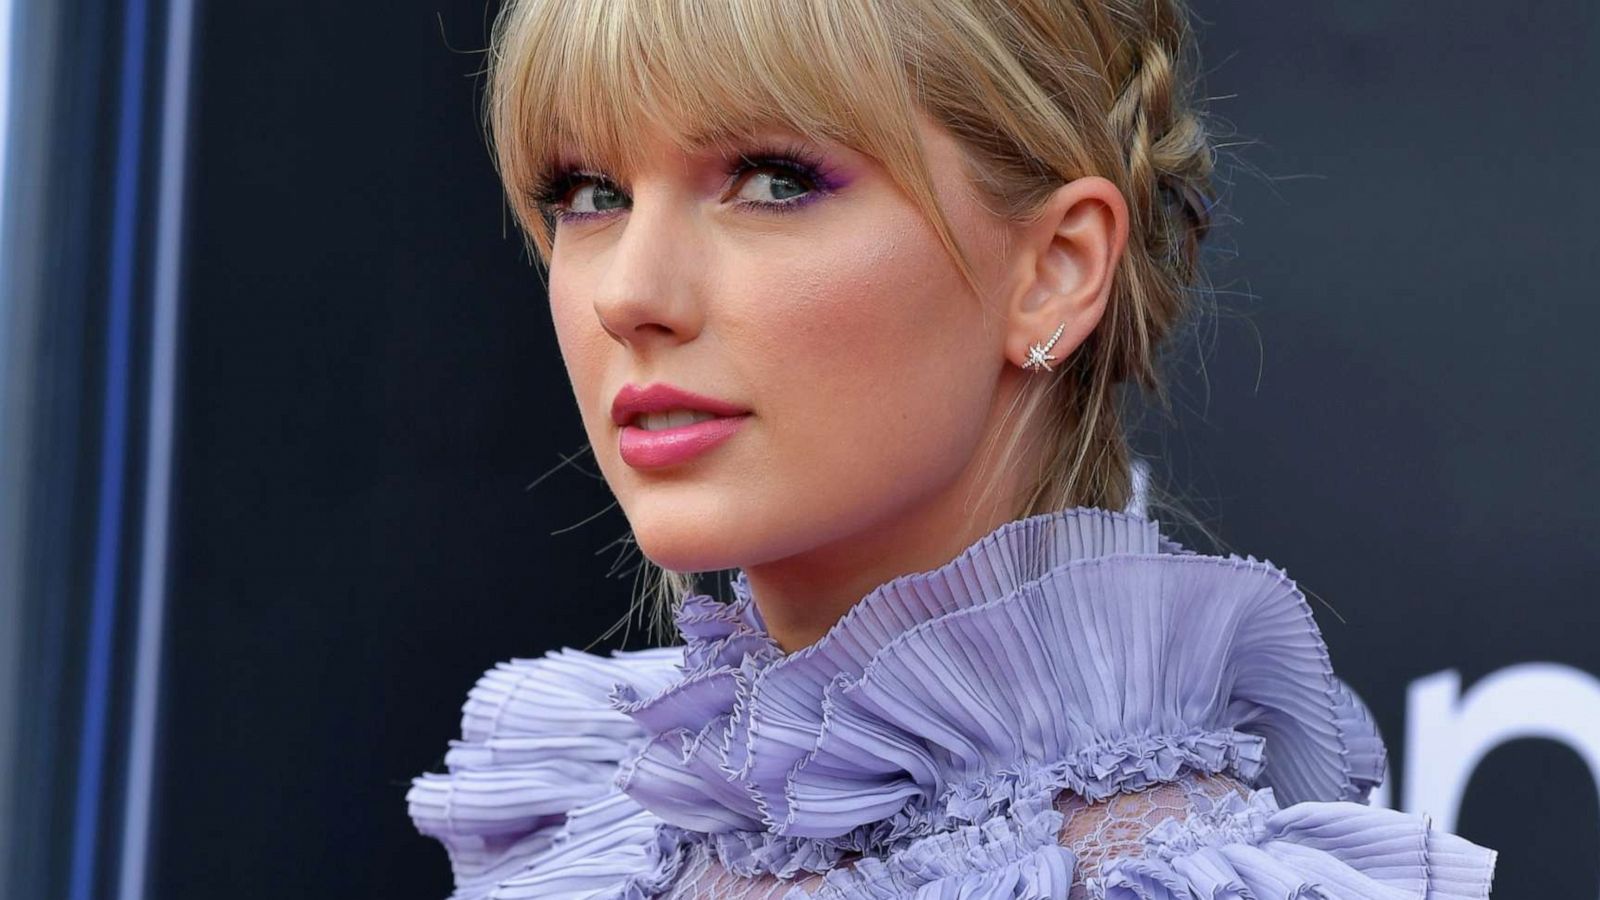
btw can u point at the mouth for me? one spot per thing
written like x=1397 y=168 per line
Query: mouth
x=663 y=425
x=666 y=420
x=660 y=439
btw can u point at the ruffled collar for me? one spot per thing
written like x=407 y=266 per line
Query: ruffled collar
x=1078 y=650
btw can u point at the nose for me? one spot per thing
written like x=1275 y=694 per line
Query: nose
x=647 y=294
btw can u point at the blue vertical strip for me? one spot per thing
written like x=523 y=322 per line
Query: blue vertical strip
x=8 y=17
x=103 y=607
x=10 y=546
x=143 y=736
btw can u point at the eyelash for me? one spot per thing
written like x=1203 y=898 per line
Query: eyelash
x=552 y=189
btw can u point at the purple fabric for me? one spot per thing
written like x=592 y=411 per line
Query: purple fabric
x=929 y=731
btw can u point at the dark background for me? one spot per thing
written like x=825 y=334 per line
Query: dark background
x=1395 y=402
x=1397 y=405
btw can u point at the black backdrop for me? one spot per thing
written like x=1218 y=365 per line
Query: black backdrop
x=1396 y=405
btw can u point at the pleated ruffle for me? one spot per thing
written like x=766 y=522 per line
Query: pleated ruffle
x=1077 y=650
x=1314 y=850
x=534 y=770
x=1011 y=856
x=916 y=750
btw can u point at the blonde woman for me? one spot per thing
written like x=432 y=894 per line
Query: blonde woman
x=848 y=292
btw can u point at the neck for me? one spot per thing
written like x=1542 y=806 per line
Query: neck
x=800 y=598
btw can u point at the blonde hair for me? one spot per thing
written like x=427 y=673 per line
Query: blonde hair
x=1038 y=92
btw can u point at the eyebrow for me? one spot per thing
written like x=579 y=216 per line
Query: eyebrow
x=700 y=140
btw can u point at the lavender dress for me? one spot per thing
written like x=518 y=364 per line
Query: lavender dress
x=1073 y=707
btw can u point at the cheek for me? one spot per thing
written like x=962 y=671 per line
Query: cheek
x=861 y=349
x=583 y=343
x=873 y=363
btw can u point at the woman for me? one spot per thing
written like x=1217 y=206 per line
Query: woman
x=846 y=290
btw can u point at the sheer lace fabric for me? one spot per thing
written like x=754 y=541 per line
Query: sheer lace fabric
x=704 y=878
x=1097 y=833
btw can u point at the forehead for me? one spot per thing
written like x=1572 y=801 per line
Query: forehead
x=593 y=77
x=653 y=140
x=629 y=135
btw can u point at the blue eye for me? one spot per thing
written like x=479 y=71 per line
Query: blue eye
x=789 y=178
x=784 y=187
x=601 y=197
x=570 y=194
x=791 y=175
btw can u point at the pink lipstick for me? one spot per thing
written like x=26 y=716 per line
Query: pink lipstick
x=662 y=425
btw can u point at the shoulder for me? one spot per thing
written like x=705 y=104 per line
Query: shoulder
x=1243 y=843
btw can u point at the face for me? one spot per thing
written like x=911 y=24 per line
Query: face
x=791 y=279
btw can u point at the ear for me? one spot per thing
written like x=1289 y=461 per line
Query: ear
x=1065 y=266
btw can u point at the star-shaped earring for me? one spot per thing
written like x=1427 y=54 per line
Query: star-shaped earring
x=1039 y=356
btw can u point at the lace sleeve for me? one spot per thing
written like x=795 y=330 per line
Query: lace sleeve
x=1098 y=833
x=704 y=879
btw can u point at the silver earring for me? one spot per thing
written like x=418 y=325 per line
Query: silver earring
x=1039 y=356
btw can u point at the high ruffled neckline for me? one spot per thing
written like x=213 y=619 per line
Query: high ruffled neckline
x=1079 y=650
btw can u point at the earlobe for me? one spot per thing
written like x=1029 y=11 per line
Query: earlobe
x=1039 y=355
x=1067 y=263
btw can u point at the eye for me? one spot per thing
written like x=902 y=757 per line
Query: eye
x=768 y=184
x=779 y=180
x=592 y=197
x=572 y=194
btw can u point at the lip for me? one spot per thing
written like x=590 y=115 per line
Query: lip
x=654 y=449
x=634 y=399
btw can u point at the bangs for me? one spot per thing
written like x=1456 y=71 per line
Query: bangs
x=582 y=81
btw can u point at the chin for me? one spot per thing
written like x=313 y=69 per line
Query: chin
x=683 y=552
x=688 y=537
